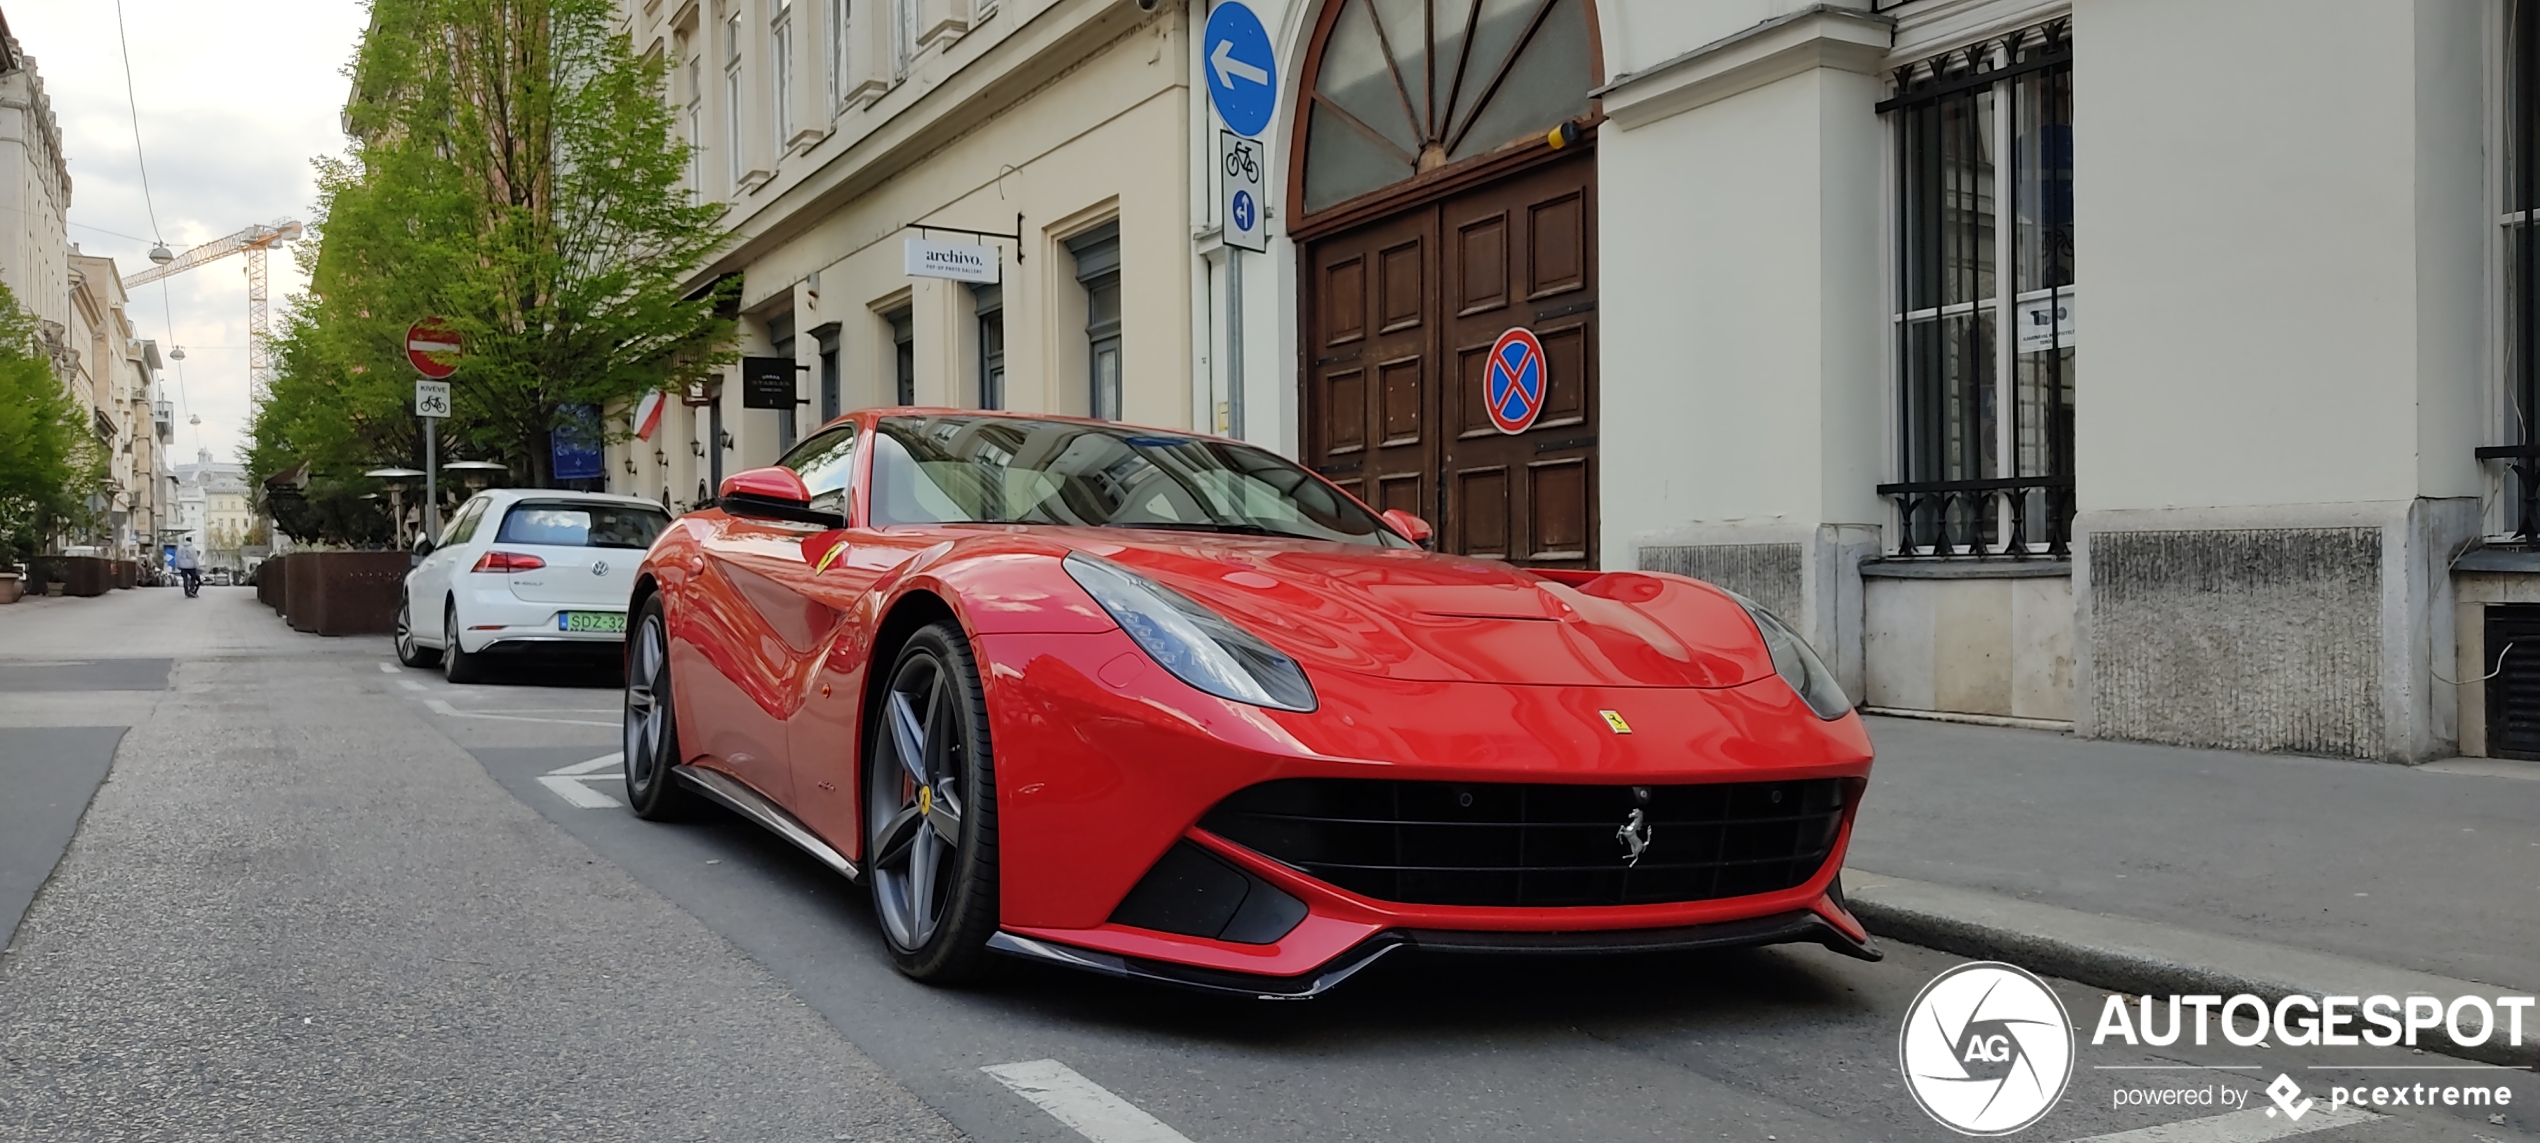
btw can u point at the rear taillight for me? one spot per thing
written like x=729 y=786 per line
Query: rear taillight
x=507 y=562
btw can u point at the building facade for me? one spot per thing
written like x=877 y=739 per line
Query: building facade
x=1051 y=131
x=115 y=376
x=35 y=195
x=212 y=511
x=1804 y=284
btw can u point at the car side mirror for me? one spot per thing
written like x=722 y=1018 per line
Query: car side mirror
x=773 y=493
x=423 y=546
x=1412 y=527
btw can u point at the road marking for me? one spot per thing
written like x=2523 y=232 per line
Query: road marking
x=1081 y=1103
x=388 y=668
x=568 y=781
x=410 y=684
x=2255 y=1125
x=443 y=707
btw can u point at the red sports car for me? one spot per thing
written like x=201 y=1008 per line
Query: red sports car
x=1173 y=708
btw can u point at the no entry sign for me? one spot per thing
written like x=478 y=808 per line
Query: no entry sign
x=432 y=348
x=1514 y=382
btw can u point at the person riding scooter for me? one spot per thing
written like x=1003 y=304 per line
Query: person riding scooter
x=190 y=568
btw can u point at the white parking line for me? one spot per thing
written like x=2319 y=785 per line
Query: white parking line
x=388 y=668
x=1081 y=1103
x=2255 y=1125
x=410 y=684
x=568 y=781
x=443 y=707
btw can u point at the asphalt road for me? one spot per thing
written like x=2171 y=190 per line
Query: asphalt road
x=1790 y=1043
x=323 y=897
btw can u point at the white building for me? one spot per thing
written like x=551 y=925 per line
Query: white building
x=213 y=510
x=1808 y=283
x=1052 y=131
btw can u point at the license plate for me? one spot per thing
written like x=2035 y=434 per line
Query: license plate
x=592 y=621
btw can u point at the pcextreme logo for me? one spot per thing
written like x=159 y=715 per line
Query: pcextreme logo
x=1987 y=1049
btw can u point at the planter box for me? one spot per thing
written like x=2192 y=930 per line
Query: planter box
x=126 y=573
x=269 y=583
x=344 y=593
x=11 y=587
x=78 y=575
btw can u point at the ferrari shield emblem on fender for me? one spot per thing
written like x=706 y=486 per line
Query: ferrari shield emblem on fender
x=1614 y=720
x=1633 y=835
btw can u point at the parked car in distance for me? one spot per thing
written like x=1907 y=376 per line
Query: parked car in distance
x=524 y=570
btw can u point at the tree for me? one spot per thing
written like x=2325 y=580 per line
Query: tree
x=515 y=173
x=50 y=461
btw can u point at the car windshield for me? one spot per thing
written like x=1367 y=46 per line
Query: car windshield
x=561 y=524
x=1010 y=470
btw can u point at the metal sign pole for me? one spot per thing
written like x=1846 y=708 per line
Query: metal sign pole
x=1235 y=342
x=431 y=479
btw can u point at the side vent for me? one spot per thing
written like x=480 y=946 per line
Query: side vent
x=2513 y=696
x=1198 y=894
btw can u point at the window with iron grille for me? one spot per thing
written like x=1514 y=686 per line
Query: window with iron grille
x=2521 y=187
x=1983 y=303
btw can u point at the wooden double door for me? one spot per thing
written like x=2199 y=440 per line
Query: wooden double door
x=1400 y=315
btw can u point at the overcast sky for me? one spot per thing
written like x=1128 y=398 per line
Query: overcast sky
x=235 y=100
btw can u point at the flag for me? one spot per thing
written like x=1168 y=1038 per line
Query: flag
x=648 y=415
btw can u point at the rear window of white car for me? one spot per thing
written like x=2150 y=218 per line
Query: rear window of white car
x=566 y=525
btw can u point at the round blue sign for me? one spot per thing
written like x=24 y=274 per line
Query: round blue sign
x=1242 y=69
x=1245 y=216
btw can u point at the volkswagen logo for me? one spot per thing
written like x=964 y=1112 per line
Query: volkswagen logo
x=1987 y=1049
x=1633 y=836
x=599 y=567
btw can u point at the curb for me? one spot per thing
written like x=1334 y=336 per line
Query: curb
x=2146 y=958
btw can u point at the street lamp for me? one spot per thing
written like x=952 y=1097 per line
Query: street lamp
x=160 y=255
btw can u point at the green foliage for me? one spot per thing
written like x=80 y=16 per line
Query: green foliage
x=50 y=461
x=515 y=173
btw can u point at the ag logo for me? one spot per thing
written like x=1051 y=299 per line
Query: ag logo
x=1987 y=1049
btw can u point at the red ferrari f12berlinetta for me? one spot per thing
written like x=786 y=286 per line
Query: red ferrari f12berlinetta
x=1170 y=707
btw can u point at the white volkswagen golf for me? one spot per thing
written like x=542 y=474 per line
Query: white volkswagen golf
x=524 y=570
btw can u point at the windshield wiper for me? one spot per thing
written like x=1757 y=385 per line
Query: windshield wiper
x=1222 y=527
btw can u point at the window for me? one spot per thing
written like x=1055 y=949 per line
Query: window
x=565 y=524
x=1010 y=470
x=696 y=128
x=1406 y=86
x=462 y=527
x=828 y=341
x=1983 y=324
x=826 y=463
x=903 y=36
x=2522 y=269
x=1098 y=270
x=780 y=76
x=903 y=356
x=989 y=303
x=732 y=97
x=834 y=59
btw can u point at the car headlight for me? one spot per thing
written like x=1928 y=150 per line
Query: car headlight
x=1198 y=646
x=1796 y=663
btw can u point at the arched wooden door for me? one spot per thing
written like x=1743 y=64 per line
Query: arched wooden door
x=1437 y=210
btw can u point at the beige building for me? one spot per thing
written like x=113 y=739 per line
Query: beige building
x=211 y=510
x=1056 y=130
x=114 y=375
x=35 y=195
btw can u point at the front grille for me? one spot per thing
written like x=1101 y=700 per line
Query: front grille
x=1509 y=844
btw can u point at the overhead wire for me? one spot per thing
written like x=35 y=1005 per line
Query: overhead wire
x=167 y=309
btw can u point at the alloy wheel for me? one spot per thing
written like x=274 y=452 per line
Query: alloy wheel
x=913 y=801
x=645 y=662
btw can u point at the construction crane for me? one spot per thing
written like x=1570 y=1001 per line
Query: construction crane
x=254 y=242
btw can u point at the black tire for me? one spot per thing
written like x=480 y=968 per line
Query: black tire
x=409 y=652
x=649 y=741
x=941 y=936
x=456 y=664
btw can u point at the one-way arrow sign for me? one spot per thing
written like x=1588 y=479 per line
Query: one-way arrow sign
x=1243 y=71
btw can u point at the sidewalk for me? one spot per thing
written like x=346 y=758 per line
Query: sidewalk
x=2138 y=863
